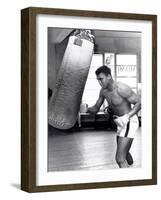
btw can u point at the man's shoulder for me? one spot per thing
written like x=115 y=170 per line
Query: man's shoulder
x=122 y=86
x=123 y=89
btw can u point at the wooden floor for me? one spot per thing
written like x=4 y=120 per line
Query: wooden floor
x=86 y=150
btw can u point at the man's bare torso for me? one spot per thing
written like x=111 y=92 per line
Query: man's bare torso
x=119 y=105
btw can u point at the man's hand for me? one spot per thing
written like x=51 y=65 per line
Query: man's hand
x=122 y=121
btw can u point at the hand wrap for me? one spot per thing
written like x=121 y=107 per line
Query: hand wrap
x=122 y=121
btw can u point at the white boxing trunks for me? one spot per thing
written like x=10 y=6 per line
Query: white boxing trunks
x=129 y=130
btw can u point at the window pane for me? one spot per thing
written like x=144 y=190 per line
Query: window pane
x=92 y=84
x=134 y=90
x=90 y=97
x=97 y=60
x=110 y=62
x=126 y=70
x=92 y=87
x=109 y=58
x=126 y=59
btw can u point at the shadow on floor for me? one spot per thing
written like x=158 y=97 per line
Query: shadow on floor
x=16 y=185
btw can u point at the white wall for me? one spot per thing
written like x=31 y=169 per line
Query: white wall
x=10 y=99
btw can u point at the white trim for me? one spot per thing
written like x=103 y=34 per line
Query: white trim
x=45 y=178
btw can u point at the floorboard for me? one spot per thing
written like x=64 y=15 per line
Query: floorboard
x=86 y=150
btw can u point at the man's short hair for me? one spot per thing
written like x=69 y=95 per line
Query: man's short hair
x=103 y=69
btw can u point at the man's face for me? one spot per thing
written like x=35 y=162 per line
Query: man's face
x=103 y=80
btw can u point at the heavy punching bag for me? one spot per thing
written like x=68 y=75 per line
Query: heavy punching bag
x=65 y=101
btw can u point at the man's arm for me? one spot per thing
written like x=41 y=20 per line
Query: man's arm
x=94 y=109
x=127 y=93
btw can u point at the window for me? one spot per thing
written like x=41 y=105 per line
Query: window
x=92 y=87
x=123 y=69
x=126 y=70
x=109 y=60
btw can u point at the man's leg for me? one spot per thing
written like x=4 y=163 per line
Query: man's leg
x=122 y=152
x=129 y=157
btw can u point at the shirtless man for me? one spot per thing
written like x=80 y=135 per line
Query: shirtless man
x=120 y=97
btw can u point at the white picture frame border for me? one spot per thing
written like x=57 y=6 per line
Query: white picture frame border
x=74 y=177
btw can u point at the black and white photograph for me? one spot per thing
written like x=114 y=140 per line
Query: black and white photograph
x=94 y=99
x=92 y=102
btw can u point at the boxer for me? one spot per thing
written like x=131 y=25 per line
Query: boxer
x=120 y=98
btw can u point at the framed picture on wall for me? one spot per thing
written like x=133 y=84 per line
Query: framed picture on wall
x=88 y=119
